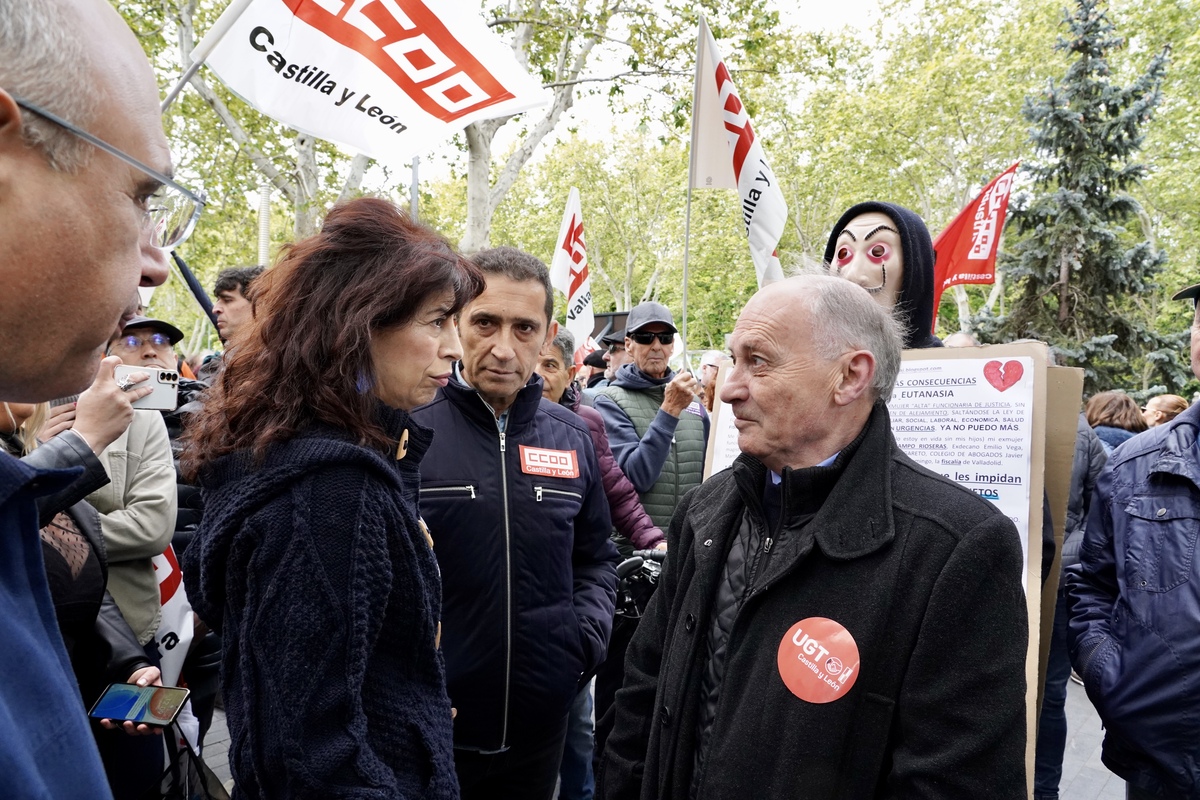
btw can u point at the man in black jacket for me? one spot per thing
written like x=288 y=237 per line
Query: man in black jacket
x=513 y=495
x=834 y=620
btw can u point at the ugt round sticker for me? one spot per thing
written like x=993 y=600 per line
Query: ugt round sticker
x=818 y=660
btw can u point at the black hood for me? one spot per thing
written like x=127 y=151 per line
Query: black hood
x=915 y=300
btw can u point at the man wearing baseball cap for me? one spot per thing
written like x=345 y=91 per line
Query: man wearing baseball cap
x=146 y=342
x=1134 y=602
x=658 y=431
x=657 y=428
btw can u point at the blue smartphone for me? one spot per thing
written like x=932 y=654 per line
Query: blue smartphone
x=151 y=705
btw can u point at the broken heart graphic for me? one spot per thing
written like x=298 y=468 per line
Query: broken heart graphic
x=1003 y=376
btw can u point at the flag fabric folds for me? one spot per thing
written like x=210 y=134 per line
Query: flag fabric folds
x=966 y=251
x=389 y=78
x=569 y=272
x=727 y=154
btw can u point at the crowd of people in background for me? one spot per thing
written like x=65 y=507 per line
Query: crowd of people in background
x=405 y=517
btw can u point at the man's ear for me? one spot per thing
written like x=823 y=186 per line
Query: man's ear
x=12 y=120
x=552 y=331
x=572 y=371
x=13 y=151
x=857 y=372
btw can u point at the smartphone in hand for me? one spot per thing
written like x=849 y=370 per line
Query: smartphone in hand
x=149 y=705
x=164 y=382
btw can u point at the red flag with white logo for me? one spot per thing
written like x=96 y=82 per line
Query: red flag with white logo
x=966 y=251
x=727 y=154
x=569 y=271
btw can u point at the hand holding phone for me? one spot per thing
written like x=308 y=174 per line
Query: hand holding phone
x=156 y=706
x=163 y=385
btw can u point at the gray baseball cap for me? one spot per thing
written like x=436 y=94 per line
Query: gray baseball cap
x=644 y=314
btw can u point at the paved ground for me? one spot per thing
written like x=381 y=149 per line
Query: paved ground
x=1084 y=777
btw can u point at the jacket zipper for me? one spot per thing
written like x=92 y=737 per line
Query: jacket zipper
x=507 y=594
x=539 y=490
x=763 y=553
x=467 y=488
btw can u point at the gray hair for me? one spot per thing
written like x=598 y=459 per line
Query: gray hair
x=565 y=343
x=844 y=318
x=41 y=60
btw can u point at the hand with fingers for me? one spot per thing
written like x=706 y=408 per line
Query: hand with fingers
x=103 y=411
x=146 y=676
x=680 y=392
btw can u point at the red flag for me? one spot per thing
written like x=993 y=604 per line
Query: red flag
x=966 y=251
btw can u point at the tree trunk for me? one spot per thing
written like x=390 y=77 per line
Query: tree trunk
x=479 y=206
x=963 y=301
x=354 y=178
x=997 y=293
x=1064 y=289
x=308 y=214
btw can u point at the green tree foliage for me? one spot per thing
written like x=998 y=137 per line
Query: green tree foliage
x=633 y=193
x=1084 y=260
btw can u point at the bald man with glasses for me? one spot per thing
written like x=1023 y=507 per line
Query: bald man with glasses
x=88 y=212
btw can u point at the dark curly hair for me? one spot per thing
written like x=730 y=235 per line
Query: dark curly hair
x=307 y=355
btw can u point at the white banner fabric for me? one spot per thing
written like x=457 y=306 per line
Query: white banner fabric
x=389 y=78
x=569 y=271
x=727 y=154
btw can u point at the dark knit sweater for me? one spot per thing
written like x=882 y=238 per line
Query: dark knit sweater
x=318 y=573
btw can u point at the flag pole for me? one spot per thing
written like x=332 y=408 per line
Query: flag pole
x=687 y=218
x=205 y=46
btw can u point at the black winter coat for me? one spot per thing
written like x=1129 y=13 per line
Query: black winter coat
x=923 y=574
x=528 y=572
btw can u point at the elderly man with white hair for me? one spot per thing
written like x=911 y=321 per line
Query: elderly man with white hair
x=834 y=620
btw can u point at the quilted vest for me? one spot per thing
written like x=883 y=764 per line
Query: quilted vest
x=684 y=467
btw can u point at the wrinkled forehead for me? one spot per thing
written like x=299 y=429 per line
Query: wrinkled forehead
x=553 y=354
x=873 y=224
x=775 y=316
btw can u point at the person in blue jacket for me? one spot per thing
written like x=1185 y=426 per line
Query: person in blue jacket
x=1134 y=603
x=79 y=231
x=513 y=493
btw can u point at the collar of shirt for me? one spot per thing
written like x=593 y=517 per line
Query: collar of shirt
x=502 y=418
x=777 y=479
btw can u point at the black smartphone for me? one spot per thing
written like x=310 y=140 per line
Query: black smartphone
x=152 y=705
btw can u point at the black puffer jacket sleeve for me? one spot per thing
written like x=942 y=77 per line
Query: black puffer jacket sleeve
x=63 y=452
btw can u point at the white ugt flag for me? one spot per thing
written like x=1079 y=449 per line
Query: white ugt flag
x=389 y=78
x=569 y=271
x=727 y=155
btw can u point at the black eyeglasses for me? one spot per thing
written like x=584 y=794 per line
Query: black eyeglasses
x=158 y=340
x=643 y=337
x=172 y=210
x=616 y=348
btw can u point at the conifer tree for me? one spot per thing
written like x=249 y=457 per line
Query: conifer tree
x=1083 y=259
